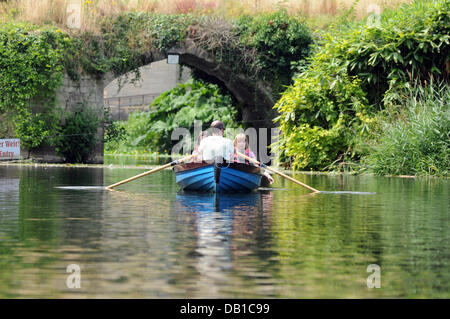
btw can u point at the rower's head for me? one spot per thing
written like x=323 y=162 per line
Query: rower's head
x=217 y=128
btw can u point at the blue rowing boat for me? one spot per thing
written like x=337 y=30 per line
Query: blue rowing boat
x=219 y=178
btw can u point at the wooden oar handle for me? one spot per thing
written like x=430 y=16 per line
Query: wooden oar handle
x=150 y=172
x=276 y=172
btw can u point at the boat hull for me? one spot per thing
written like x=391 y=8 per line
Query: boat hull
x=222 y=178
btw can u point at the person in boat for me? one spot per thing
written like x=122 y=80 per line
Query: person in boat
x=241 y=145
x=198 y=158
x=216 y=147
x=202 y=135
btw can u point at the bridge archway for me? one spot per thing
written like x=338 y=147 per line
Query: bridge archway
x=123 y=95
x=255 y=99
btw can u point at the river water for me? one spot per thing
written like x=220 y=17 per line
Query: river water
x=149 y=240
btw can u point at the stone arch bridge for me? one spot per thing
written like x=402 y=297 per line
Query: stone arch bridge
x=255 y=98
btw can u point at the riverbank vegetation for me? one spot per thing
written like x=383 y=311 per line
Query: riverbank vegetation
x=355 y=80
x=414 y=139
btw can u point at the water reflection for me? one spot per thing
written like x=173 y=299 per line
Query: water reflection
x=49 y=214
x=9 y=202
x=134 y=160
x=149 y=240
x=222 y=222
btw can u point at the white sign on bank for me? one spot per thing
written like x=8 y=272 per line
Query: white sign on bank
x=9 y=148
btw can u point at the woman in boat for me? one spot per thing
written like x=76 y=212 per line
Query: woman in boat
x=241 y=145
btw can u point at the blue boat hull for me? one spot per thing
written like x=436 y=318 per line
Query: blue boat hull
x=204 y=177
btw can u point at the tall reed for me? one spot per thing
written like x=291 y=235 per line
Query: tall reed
x=416 y=141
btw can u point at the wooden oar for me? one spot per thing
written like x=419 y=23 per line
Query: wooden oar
x=277 y=172
x=151 y=172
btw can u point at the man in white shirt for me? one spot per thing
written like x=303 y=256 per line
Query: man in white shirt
x=216 y=147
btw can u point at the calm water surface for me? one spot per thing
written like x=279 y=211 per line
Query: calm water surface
x=149 y=240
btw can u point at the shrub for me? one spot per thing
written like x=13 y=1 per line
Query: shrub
x=115 y=131
x=78 y=135
x=279 y=39
x=320 y=114
x=35 y=129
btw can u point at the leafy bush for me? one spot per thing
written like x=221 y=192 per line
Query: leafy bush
x=176 y=108
x=78 y=136
x=321 y=112
x=35 y=129
x=115 y=131
x=279 y=39
x=416 y=140
x=31 y=69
